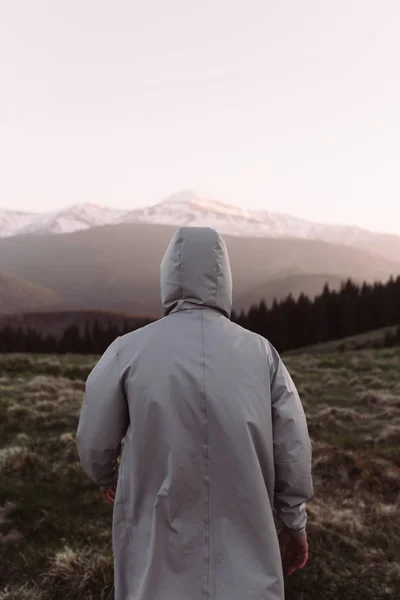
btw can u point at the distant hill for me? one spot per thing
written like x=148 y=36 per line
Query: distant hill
x=116 y=267
x=17 y=295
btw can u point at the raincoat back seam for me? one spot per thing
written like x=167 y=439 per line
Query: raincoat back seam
x=206 y=472
x=180 y=288
x=217 y=274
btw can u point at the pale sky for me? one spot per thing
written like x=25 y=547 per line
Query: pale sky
x=292 y=106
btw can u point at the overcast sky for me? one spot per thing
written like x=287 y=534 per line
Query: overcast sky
x=283 y=105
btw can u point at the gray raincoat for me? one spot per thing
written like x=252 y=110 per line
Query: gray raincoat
x=216 y=454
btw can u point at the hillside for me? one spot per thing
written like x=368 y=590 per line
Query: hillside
x=363 y=341
x=116 y=267
x=17 y=295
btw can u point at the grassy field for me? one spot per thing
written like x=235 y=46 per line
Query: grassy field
x=55 y=529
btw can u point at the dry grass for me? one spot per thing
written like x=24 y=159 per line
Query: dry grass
x=19 y=460
x=79 y=574
x=56 y=531
x=21 y=592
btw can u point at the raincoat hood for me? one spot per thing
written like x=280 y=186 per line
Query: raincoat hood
x=196 y=271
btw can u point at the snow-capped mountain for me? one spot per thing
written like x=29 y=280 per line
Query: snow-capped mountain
x=68 y=220
x=184 y=208
x=188 y=208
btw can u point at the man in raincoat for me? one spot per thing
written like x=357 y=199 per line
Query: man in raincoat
x=216 y=458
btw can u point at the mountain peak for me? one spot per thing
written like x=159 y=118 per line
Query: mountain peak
x=203 y=204
x=181 y=196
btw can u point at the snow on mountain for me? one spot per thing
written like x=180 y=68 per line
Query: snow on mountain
x=11 y=221
x=68 y=220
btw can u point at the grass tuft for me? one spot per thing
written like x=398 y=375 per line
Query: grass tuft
x=79 y=575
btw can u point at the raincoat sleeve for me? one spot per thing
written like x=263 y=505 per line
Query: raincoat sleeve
x=292 y=450
x=103 y=421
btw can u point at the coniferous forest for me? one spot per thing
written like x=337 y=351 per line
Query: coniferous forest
x=288 y=324
x=332 y=315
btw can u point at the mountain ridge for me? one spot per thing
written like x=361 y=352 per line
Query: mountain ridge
x=186 y=208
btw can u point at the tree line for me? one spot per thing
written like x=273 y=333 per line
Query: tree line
x=91 y=339
x=289 y=324
x=331 y=315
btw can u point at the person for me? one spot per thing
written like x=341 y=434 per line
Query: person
x=211 y=486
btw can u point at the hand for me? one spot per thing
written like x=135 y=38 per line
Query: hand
x=109 y=493
x=294 y=551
